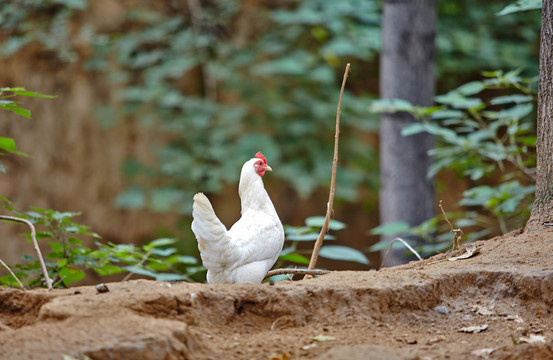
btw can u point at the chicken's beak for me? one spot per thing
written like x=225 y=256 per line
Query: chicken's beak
x=268 y=168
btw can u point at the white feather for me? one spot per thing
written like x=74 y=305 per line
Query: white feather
x=248 y=250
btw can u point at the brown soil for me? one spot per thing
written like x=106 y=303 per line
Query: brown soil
x=414 y=311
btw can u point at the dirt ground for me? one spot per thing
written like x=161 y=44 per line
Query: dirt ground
x=496 y=304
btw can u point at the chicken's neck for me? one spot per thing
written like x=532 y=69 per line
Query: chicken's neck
x=253 y=195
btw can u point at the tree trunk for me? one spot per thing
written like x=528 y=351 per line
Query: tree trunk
x=542 y=212
x=406 y=72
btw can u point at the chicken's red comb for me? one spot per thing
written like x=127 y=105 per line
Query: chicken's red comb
x=259 y=155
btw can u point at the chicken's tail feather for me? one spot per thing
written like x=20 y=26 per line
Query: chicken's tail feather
x=210 y=232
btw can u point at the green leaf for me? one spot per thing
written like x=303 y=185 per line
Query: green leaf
x=308 y=237
x=62 y=262
x=344 y=253
x=318 y=221
x=157 y=265
x=520 y=5
x=394 y=105
x=516 y=112
x=131 y=198
x=293 y=257
x=182 y=259
x=27 y=93
x=108 y=269
x=471 y=88
x=276 y=278
x=64 y=215
x=458 y=101
x=71 y=274
x=516 y=98
x=164 y=252
x=141 y=271
x=7 y=144
x=159 y=243
x=170 y=277
x=447 y=114
x=391 y=228
x=56 y=246
x=414 y=128
x=18 y=110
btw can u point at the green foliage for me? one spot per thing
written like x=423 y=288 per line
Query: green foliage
x=521 y=5
x=484 y=131
x=343 y=253
x=157 y=259
x=471 y=37
x=7 y=93
x=176 y=69
x=67 y=257
x=43 y=21
x=7 y=145
x=310 y=232
x=211 y=137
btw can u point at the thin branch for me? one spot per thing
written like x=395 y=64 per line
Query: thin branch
x=144 y=258
x=59 y=281
x=11 y=272
x=457 y=233
x=295 y=272
x=324 y=230
x=390 y=249
x=35 y=243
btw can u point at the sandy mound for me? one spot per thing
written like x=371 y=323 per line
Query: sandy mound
x=494 y=305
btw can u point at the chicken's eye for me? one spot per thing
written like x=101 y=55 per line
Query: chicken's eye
x=259 y=162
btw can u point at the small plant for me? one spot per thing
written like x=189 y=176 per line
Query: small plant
x=66 y=253
x=484 y=137
x=310 y=232
x=157 y=259
x=68 y=258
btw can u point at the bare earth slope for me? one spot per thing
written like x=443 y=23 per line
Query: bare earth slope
x=414 y=311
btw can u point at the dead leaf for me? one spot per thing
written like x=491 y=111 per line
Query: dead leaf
x=310 y=346
x=483 y=352
x=482 y=310
x=516 y=318
x=533 y=339
x=474 y=329
x=283 y=356
x=469 y=252
x=322 y=337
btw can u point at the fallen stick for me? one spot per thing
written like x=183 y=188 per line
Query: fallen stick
x=35 y=243
x=295 y=272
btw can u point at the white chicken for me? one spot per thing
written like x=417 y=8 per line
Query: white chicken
x=248 y=250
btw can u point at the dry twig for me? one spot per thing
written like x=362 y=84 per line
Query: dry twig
x=457 y=233
x=11 y=272
x=390 y=249
x=324 y=230
x=144 y=258
x=35 y=243
x=295 y=272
